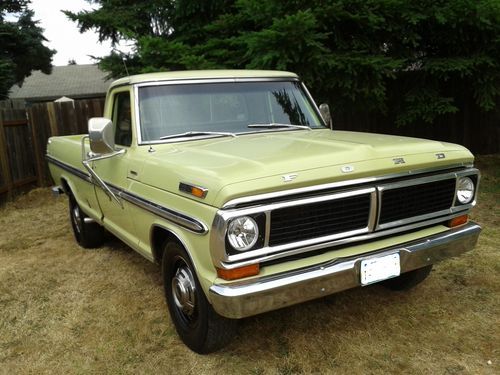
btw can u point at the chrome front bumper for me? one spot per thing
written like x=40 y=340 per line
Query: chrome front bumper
x=255 y=296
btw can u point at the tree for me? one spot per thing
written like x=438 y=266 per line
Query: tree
x=22 y=48
x=408 y=60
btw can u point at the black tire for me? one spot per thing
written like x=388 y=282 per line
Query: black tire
x=88 y=234
x=198 y=325
x=409 y=279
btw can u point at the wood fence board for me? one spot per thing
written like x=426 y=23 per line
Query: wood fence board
x=21 y=157
x=4 y=156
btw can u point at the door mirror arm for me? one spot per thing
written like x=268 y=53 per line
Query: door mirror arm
x=102 y=146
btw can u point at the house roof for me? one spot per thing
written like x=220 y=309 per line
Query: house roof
x=73 y=81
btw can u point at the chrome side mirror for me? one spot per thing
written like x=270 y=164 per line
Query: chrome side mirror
x=325 y=113
x=101 y=135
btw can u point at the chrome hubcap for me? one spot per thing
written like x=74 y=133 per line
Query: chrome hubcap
x=77 y=219
x=183 y=288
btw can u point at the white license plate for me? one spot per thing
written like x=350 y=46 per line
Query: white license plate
x=381 y=268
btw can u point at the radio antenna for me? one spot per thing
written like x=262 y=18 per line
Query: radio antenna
x=125 y=65
x=123 y=60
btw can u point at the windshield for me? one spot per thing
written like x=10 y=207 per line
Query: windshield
x=169 y=110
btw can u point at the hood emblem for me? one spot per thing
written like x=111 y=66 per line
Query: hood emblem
x=398 y=161
x=289 y=177
x=440 y=155
x=347 y=169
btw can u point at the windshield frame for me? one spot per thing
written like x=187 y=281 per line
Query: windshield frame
x=137 y=86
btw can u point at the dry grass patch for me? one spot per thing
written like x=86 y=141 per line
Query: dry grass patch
x=67 y=310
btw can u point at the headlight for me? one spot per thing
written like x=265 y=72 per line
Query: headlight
x=465 y=190
x=242 y=233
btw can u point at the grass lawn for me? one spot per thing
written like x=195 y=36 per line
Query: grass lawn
x=68 y=310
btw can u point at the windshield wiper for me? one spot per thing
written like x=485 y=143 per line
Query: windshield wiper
x=277 y=125
x=196 y=133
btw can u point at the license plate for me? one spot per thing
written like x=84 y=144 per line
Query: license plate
x=380 y=268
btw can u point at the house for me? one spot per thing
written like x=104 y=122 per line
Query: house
x=70 y=81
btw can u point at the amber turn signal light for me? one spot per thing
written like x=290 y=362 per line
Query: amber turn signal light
x=197 y=192
x=238 y=273
x=459 y=220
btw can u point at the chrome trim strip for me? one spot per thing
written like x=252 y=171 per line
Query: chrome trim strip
x=295 y=248
x=257 y=295
x=226 y=214
x=372 y=218
x=68 y=168
x=314 y=105
x=267 y=233
x=233 y=203
x=194 y=81
x=175 y=217
x=178 y=218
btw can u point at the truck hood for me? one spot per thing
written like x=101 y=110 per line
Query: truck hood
x=257 y=163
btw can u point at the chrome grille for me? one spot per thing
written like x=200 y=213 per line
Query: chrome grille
x=416 y=200
x=303 y=222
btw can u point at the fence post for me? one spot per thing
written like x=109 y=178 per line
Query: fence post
x=36 y=148
x=4 y=159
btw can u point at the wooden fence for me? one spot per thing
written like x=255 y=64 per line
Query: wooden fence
x=471 y=127
x=24 y=134
x=16 y=151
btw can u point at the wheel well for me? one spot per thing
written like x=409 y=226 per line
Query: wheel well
x=159 y=236
x=65 y=186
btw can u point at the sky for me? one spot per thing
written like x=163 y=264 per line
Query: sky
x=63 y=35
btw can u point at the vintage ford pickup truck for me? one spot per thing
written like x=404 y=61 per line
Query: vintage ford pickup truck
x=236 y=184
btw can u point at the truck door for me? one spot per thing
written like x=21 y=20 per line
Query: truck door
x=113 y=171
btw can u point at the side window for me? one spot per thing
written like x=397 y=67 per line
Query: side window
x=122 y=119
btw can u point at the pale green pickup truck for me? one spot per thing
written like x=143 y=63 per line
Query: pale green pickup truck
x=236 y=184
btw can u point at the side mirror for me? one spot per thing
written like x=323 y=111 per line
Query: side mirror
x=325 y=113
x=101 y=135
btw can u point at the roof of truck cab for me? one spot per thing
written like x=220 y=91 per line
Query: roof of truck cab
x=201 y=74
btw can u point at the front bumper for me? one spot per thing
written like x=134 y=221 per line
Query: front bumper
x=258 y=295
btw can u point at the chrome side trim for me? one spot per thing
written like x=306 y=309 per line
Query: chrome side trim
x=234 y=203
x=68 y=168
x=183 y=220
x=176 y=217
x=253 y=296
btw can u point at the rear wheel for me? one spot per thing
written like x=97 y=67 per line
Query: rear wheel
x=88 y=233
x=198 y=325
x=409 y=279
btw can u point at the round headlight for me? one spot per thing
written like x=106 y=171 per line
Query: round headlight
x=242 y=233
x=465 y=190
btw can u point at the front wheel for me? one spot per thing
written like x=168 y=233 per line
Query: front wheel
x=409 y=279
x=198 y=325
x=88 y=233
